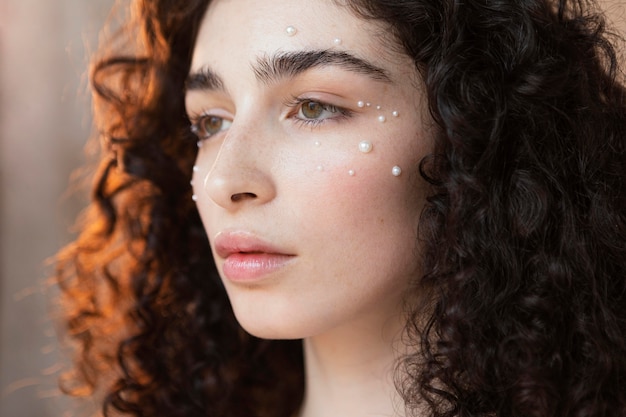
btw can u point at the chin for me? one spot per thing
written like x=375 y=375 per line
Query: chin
x=270 y=320
x=271 y=329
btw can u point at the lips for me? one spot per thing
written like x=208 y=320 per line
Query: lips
x=248 y=258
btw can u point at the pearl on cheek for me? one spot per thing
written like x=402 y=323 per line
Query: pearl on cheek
x=382 y=119
x=365 y=146
x=351 y=173
x=396 y=171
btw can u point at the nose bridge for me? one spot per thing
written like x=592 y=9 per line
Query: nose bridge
x=240 y=173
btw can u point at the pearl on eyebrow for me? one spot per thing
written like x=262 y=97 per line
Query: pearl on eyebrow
x=337 y=41
x=365 y=146
x=360 y=104
x=291 y=30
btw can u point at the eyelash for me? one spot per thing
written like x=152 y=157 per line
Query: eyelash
x=296 y=104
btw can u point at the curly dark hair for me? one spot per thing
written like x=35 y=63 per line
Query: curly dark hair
x=524 y=234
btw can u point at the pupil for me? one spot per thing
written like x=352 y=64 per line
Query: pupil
x=213 y=125
x=312 y=110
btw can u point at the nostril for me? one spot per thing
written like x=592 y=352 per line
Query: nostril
x=242 y=196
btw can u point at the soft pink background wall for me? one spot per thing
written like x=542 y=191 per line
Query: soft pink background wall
x=44 y=122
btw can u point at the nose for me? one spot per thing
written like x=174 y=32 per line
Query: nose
x=241 y=173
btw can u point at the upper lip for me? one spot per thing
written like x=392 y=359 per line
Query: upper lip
x=229 y=242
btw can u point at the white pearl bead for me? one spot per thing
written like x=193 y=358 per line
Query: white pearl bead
x=337 y=41
x=199 y=144
x=365 y=146
x=396 y=171
x=360 y=104
x=368 y=104
x=318 y=143
x=291 y=30
x=382 y=119
x=378 y=107
x=395 y=113
x=351 y=173
x=195 y=168
x=194 y=197
x=320 y=168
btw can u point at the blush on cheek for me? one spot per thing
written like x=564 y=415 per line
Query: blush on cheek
x=348 y=198
x=364 y=147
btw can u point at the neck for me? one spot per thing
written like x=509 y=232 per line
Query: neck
x=350 y=371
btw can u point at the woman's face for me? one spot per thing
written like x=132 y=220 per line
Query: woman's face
x=312 y=127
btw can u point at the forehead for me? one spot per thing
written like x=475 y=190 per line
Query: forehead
x=248 y=29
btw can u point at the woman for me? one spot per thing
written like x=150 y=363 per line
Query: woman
x=429 y=194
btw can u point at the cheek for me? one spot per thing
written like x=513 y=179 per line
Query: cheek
x=355 y=197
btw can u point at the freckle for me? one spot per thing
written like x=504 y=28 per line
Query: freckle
x=360 y=104
x=382 y=119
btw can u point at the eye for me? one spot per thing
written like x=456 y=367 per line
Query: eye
x=311 y=110
x=208 y=125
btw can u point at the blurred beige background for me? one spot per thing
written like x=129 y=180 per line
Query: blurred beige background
x=44 y=123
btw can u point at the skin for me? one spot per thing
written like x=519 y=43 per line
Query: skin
x=270 y=172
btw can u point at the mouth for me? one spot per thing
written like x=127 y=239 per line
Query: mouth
x=248 y=258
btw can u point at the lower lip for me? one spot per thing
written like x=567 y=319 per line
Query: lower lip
x=247 y=267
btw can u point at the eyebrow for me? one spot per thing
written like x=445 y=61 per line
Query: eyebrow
x=269 y=69
x=204 y=79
